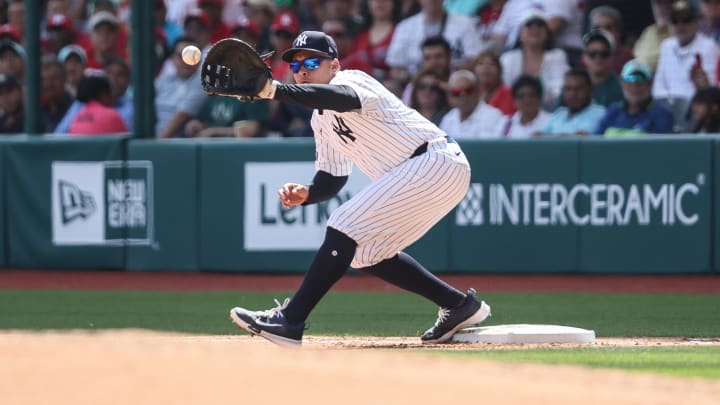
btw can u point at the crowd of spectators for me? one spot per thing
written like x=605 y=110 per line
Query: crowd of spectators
x=475 y=68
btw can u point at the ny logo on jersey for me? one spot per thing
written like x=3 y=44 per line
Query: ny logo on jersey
x=342 y=130
x=300 y=41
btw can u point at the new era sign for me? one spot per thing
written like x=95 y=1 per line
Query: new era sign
x=102 y=203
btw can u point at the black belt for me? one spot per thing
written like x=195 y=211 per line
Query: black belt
x=423 y=148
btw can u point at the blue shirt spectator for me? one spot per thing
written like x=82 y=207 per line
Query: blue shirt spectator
x=579 y=115
x=564 y=122
x=638 y=113
x=655 y=118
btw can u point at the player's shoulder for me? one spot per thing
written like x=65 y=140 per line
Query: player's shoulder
x=355 y=77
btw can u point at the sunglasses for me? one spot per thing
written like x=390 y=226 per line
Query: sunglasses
x=596 y=54
x=459 y=92
x=309 y=63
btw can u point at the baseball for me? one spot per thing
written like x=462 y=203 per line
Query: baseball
x=191 y=55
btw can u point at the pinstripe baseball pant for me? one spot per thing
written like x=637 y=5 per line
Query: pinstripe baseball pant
x=397 y=209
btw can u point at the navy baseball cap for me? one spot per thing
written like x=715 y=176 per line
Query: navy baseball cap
x=312 y=41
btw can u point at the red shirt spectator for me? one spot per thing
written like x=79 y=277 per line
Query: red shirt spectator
x=502 y=100
x=97 y=119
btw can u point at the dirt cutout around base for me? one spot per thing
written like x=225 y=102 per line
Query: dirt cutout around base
x=140 y=367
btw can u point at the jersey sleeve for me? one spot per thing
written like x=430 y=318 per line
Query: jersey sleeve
x=327 y=158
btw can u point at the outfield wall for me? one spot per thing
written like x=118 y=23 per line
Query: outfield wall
x=641 y=205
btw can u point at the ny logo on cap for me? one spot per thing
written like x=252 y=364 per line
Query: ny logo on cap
x=301 y=40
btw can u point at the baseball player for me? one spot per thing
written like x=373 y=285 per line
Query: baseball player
x=418 y=176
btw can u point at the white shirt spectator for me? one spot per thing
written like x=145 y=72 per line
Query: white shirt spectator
x=514 y=129
x=552 y=74
x=459 y=30
x=481 y=124
x=514 y=12
x=672 y=78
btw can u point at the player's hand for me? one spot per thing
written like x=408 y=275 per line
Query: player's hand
x=292 y=194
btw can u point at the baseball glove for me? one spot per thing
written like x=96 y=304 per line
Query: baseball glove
x=234 y=68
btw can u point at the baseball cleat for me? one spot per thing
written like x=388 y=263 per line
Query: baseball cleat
x=270 y=324
x=450 y=320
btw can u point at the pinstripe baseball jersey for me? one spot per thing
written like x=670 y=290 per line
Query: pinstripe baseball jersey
x=409 y=195
x=376 y=138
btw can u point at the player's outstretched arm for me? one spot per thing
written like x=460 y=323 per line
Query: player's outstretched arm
x=340 y=98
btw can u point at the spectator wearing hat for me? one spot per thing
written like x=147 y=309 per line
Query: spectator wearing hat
x=597 y=59
x=96 y=116
x=171 y=30
x=55 y=98
x=12 y=112
x=536 y=55
x=638 y=113
x=214 y=10
x=60 y=32
x=178 y=95
x=104 y=30
x=687 y=61
x=610 y=19
x=285 y=26
x=74 y=60
x=9 y=32
x=404 y=54
x=564 y=20
x=578 y=115
x=647 y=46
x=246 y=30
x=12 y=60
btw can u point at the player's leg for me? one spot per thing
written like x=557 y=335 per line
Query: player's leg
x=285 y=323
x=405 y=272
x=457 y=309
x=397 y=210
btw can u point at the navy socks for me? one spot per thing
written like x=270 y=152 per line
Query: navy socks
x=404 y=272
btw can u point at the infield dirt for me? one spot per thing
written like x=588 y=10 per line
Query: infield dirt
x=140 y=367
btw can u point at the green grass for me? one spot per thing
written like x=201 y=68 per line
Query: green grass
x=358 y=313
x=402 y=314
x=686 y=361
